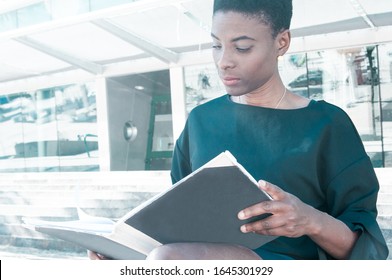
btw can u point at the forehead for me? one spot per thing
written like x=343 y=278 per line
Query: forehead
x=238 y=24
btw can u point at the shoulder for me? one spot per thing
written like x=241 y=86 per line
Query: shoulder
x=327 y=107
x=340 y=132
x=331 y=114
x=210 y=107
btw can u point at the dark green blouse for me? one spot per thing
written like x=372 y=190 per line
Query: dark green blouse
x=314 y=153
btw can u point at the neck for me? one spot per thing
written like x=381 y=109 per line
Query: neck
x=271 y=99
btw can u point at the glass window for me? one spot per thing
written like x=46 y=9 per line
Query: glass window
x=8 y=21
x=39 y=147
x=385 y=62
x=11 y=130
x=140 y=121
x=33 y=14
x=61 y=8
x=348 y=78
x=49 y=130
x=202 y=83
x=102 y=4
x=161 y=143
x=76 y=116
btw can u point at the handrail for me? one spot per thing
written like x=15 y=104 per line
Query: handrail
x=85 y=142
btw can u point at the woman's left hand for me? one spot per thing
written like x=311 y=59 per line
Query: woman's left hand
x=291 y=217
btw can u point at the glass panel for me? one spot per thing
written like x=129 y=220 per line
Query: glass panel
x=61 y=8
x=8 y=21
x=39 y=146
x=202 y=83
x=294 y=73
x=33 y=14
x=162 y=139
x=385 y=60
x=373 y=82
x=77 y=127
x=49 y=130
x=11 y=130
x=140 y=121
x=101 y=4
x=161 y=124
x=347 y=78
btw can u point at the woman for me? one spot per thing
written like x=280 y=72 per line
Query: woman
x=307 y=154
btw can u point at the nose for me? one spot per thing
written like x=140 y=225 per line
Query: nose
x=224 y=60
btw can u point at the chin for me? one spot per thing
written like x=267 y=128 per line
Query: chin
x=234 y=92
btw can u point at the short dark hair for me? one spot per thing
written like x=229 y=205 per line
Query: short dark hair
x=275 y=13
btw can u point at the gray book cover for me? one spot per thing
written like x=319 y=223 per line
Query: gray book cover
x=203 y=208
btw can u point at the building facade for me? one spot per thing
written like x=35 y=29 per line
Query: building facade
x=120 y=106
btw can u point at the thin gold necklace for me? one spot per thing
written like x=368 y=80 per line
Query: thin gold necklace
x=280 y=100
x=277 y=105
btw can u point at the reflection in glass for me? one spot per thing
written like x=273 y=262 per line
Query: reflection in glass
x=385 y=73
x=11 y=132
x=49 y=130
x=202 y=83
x=77 y=131
x=142 y=101
x=350 y=79
x=160 y=145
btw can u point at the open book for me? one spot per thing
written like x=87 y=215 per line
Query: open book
x=202 y=207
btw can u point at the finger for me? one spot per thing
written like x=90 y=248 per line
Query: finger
x=271 y=232
x=265 y=206
x=92 y=255
x=95 y=256
x=263 y=226
x=274 y=191
x=256 y=210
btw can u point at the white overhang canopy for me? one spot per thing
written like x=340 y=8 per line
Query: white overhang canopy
x=153 y=34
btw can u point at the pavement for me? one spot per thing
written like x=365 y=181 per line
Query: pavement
x=10 y=252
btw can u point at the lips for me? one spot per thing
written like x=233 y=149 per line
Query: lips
x=230 y=81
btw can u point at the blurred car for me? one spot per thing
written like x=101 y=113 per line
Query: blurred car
x=312 y=78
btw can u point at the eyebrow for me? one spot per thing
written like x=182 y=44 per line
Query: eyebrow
x=244 y=37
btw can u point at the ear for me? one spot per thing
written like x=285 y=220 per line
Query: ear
x=283 y=40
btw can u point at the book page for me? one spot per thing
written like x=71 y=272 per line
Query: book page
x=75 y=225
x=133 y=238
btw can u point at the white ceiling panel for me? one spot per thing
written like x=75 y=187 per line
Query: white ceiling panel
x=9 y=72
x=162 y=33
x=316 y=12
x=167 y=26
x=376 y=6
x=202 y=10
x=32 y=61
x=87 y=41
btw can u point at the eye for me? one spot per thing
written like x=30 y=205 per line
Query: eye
x=216 y=47
x=243 y=50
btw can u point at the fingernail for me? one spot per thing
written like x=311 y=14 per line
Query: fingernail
x=262 y=183
x=241 y=215
x=243 y=229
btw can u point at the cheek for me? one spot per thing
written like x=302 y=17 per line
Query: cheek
x=255 y=67
x=257 y=72
x=265 y=65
